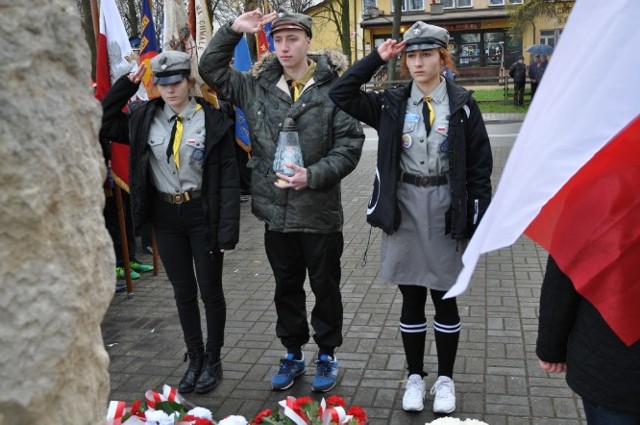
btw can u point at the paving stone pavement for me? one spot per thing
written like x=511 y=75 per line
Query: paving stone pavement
x=497 y=376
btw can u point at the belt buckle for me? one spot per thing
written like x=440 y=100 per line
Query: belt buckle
x=177 y=198
x=425 y=181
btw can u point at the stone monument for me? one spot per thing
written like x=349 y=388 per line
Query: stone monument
x=56 y=259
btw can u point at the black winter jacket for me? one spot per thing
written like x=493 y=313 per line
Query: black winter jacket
x=220 y=181
x=518 y=72
x=470 y=158
x=600 y=367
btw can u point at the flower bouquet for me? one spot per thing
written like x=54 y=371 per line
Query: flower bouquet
x=167 y=408
x=305 y=411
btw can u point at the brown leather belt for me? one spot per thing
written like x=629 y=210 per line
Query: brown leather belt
x=179 y=198
x=424 y=180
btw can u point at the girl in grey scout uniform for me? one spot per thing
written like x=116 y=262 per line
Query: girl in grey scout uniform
x=184 y=181
x=432 y=187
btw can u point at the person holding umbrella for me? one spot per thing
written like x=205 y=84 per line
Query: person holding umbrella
x=537 y=68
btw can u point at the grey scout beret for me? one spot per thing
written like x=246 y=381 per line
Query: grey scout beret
x=170 y=67
x=422 y=36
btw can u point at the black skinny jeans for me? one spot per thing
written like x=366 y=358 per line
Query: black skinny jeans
x=180 y=231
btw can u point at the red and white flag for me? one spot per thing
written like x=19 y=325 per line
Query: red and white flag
x=114 y=57
x=571 y=180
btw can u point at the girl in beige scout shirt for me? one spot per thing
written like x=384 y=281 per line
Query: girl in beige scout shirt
x=432 y=187
x=184 y=181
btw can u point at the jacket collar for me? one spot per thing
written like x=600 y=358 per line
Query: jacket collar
x=330 y=63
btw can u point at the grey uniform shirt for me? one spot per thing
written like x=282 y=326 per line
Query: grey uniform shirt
x=422 y=155
x=166 y=176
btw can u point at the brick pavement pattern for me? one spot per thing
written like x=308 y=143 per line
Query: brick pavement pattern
x=497 y=376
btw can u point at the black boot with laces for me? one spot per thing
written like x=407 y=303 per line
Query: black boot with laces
x=211 y=373
x=188 y=382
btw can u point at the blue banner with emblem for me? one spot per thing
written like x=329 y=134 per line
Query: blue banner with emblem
x=242 y=62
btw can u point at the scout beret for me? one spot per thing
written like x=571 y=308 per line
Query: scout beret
x=421 y=36
x=170 y=67
x=291 y=21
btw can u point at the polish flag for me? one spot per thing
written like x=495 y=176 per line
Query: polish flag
x=114 y=59
x=114 y=55
x=571 y=180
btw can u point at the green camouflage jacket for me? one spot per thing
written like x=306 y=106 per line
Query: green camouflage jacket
x=331 y=140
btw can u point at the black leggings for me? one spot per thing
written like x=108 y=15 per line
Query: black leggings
x=180 y=230
x=413 y=324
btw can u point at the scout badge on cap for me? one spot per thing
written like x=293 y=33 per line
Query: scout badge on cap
x=170 y=67
x=422 y=36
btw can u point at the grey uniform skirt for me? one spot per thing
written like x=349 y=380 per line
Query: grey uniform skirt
x=419 y=253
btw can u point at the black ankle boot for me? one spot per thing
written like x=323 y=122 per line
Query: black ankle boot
x=211 y=374
x=188 y=382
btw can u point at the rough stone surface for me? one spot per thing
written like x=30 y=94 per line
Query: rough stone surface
x=56 y=258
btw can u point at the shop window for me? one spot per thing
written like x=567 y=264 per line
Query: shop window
x=469 y=49
x=493 y=47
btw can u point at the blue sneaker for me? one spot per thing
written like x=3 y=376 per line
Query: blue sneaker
x=326 y=374
x=290 y=369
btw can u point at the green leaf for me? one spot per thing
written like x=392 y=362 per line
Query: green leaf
x=171 y=406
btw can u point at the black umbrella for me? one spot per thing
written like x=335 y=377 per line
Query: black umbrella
x=540 y=49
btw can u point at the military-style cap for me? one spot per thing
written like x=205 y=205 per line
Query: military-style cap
x=423 y=36
x=291 y=21
x=170 y=67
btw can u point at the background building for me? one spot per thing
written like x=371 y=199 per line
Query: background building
x=479 y=29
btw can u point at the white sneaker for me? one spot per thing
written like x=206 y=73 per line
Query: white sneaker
x=414 y=393
x=445 y=399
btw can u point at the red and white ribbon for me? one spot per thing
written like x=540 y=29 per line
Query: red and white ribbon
x=168 y=394
x=116 y=411
x=288 y=405
x=332 y=414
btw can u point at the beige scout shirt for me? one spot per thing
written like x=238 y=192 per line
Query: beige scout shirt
x=422 y=155
x=166 y=176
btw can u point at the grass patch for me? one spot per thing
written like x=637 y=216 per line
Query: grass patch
x=493 y=100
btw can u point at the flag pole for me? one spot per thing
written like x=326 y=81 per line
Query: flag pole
x=124 y=242
x=94 y=19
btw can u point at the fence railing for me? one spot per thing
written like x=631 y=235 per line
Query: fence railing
x=505 y=82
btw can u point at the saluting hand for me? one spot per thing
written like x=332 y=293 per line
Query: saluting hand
x=136 y=77
x=252 y=22
x=390 y=48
